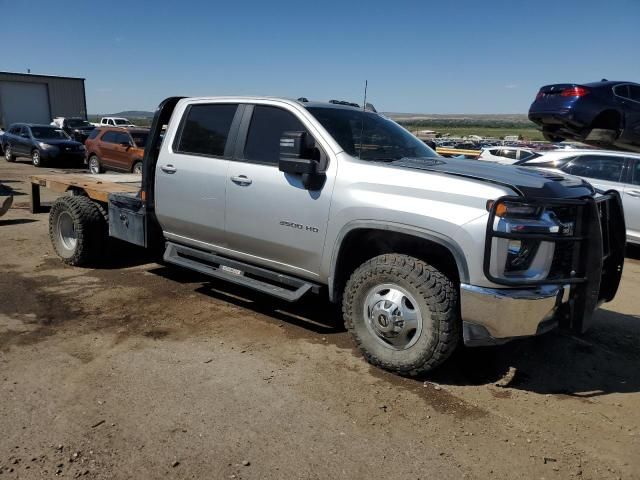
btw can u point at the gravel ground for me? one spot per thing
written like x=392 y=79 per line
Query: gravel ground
x=138 y=370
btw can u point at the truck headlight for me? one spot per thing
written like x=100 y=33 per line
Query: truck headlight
x=522 y=259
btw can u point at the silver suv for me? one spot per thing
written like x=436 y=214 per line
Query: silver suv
x=291 y=197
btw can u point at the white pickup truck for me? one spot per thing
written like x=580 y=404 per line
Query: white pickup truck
x=115 y=122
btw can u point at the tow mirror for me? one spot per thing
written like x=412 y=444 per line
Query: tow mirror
x=296 y=152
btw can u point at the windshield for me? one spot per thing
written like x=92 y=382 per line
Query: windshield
x=140 y=138
x=370 y=136
x=76 y=123
x=50 y=133
x=121 y=121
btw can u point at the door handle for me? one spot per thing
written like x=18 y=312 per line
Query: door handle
x=168 y=169
x=634 y=193
x=241 y=180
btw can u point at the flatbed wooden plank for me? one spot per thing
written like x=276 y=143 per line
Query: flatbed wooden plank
x=97 y=187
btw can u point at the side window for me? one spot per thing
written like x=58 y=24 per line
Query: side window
x=634 y=92
x=24 y=131
x=110 y=137
x=110 y=122
x=267 y=126
x=206 y=128
x=599 y=167
x=509 y=153
x=123 y=137
x=635 y=178
x=495 y=151
x=621 y=90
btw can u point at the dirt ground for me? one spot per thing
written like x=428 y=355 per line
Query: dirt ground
x=138 y=370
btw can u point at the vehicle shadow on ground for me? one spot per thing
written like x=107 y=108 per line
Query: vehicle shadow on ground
x=602 y=361
x=124 y=255
x=16 y=221
x=7 y=190
x=633 y=252
x=312 y=312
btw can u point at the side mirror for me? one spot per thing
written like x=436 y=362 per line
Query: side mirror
x=296 y=150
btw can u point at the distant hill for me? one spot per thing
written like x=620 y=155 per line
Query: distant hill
x=460 y=117
x=129 y=114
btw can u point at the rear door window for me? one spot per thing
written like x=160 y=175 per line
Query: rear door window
x=110 y=137
x=267 y=126
x=205 y=129
x=621 y=91
x=634 y=92
x=635 y=174
x=600 y=167
x=509 y=153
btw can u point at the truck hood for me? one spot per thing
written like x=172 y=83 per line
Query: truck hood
x=527 y=182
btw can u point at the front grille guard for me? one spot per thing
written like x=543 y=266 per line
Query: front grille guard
x=598 y=253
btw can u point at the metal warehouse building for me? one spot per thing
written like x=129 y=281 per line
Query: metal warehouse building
x=39 y=98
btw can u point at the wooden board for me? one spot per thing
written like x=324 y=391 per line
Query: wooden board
x=97 y=187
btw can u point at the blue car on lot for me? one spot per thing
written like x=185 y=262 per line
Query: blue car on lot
x=604 y=113
x=41 y=143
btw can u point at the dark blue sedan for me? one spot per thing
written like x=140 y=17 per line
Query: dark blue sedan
x=605 y=113
x=41 y=143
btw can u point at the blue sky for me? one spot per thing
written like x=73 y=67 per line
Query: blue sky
x=419 y=56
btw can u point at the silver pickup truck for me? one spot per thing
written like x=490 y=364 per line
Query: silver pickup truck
x=292 y=197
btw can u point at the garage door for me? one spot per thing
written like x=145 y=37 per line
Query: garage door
x=24 y=102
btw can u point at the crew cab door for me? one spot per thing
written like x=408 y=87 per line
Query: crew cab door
x=271 y=218
x=191 y=173
x=631 y=202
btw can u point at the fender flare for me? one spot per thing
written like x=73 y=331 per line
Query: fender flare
x=435 y=237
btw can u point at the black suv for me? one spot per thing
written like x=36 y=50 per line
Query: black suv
x=77 y=128
x=41 y=143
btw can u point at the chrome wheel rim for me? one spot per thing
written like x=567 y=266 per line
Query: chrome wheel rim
x=94 y=166
x=7 y=153
x=67 y=231
x=392 y=316
x=137 y=168
x=35 y=157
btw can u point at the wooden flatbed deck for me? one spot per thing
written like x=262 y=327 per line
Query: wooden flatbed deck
x=97 y=187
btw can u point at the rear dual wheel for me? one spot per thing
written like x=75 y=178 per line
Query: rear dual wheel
x=78 y=230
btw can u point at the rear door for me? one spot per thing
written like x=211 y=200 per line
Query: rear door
x=631 y=202
x=631 y=132
x=23 y=141
x=271 y=218
x=191 y=174
x=110 y=149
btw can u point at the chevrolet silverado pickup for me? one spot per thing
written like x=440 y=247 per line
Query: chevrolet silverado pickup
x=423 y=253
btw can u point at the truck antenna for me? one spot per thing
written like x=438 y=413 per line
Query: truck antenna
x=364 y=108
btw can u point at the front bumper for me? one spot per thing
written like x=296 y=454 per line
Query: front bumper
x=59 y=154
x=492 y=316
x=585 y=272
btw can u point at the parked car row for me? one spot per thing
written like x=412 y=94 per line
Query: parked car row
x=109 y=147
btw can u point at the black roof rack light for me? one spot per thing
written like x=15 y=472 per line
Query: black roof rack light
x=343 y=102
x=303 y=99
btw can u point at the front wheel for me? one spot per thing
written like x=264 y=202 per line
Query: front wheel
x=402 y=314
x=36 y=158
